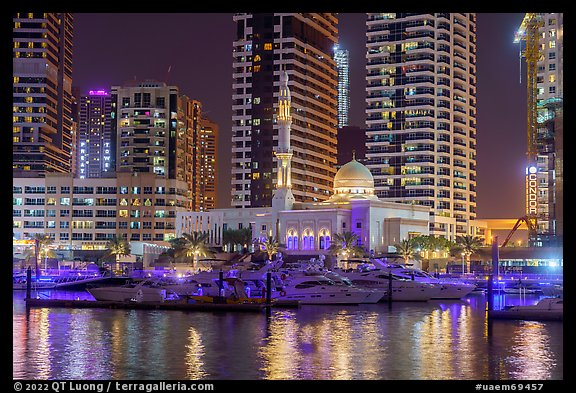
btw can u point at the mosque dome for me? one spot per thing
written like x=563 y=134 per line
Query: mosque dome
x=355 y=179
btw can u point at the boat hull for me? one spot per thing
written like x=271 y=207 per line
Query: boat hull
x=527 y=315
x=325 y=297
x=128 y=294
x=454 y=291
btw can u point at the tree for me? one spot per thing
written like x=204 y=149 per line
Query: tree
x=346 y=244
x=117 y=247
x=467 y=245
x=407 y=249
x=234 y=237
x=193 y=245
x=429 y=244
x=271 y=246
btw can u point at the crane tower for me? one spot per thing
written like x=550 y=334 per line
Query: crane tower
x=529 y=33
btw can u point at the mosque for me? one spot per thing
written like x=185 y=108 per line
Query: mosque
x=305 y=228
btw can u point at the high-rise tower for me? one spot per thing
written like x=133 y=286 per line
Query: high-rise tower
x=302 y=45
x=421 y=112
x=42 y=93
x=342 y=58
x=94 y=153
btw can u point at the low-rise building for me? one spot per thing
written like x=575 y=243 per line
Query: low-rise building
x=86 y=213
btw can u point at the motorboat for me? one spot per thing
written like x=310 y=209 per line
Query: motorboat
x=374 y=295
x=522 y=288
x=548 y=308
x=449 y=288
x=556 y=290
x=313 y=268
x=402 y=289
x=20 y=281
x=144 y=291
x=319 y=289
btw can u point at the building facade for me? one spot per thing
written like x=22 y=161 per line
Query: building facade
x=147 y=127
x=549 y=98
x=302 y=45
x=86 y=213
x=42 y=93
x=95 y=155
x=421 y=113
x=342 y=59
x=207 y=148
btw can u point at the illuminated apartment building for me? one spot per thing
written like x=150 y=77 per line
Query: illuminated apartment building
x=421 y=113
x=342 y=59
x=549 y=129
x=42 y=93
x=265 y=44
x=86 y=213
x=95 y=155
x=207 y=147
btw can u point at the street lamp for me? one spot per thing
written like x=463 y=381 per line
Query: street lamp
x=345 y=255
x=462 y=262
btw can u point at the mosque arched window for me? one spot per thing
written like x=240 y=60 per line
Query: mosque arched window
x=308 y=240
x=324 y=239
x=292 y=240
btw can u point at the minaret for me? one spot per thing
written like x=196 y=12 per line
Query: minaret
x=283 y=198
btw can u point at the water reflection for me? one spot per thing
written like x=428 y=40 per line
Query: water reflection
x=531 y=357
x=194 y=354
x=432 y=340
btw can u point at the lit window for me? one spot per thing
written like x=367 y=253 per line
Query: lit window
x=267 y=46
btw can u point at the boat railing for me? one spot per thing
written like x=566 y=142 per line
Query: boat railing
x=73 y=278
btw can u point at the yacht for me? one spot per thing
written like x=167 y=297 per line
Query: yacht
x=546 y=309
x=449 y=289
x=20 y=282
x=142 y=292
x=402 y=289
x=374 y=294
x=319 y=289
x=313 y=268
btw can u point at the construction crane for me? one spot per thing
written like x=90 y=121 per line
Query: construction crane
x=529 y=33
x=529 y=224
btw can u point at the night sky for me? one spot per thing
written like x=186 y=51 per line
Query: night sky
x=110 y=49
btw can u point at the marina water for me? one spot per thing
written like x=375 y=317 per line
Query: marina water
x=434 y=340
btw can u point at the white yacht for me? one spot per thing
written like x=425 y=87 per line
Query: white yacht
x=319 y=289
x=546 y=309
x=141 y=292
x=449 y=289
x=374 y=294
x=402 y=289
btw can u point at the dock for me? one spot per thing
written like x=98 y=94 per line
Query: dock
x=178 y=306
x=167 y=305
x=527 y=315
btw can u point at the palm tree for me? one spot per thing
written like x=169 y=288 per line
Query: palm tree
x=193 y=245
x=407 y=249
x=117 y=247
x=233 y=237
x=346 y=244
x=41 y=241
x=271 y=246
x=468 y=245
